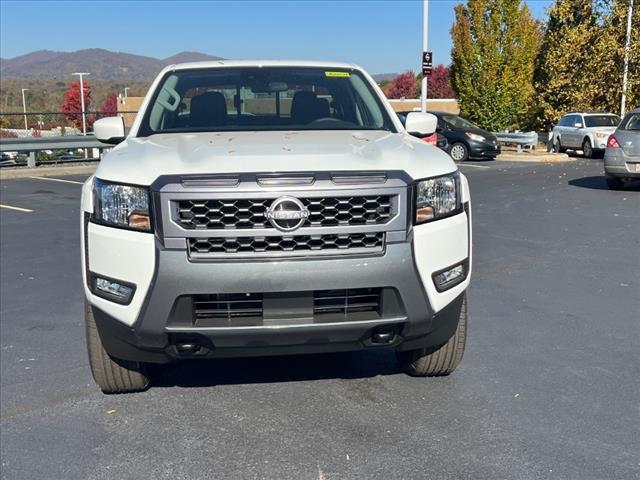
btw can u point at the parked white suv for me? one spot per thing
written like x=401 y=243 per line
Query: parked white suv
x=586 y=131
x=261 y=208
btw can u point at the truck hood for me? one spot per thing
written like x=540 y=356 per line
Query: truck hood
x=141 y=160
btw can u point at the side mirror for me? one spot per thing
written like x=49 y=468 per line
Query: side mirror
x=109 y=130
x=577 y=125
x=419 y=123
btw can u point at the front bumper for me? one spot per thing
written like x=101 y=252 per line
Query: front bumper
x=161 y=346
x=154 y=322
x=425 y=318
x=483 y=150
x=151 y=339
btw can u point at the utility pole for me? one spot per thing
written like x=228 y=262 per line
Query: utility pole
x=84 y=120
x=24 y=108
x=627 y=47
x=425 y=37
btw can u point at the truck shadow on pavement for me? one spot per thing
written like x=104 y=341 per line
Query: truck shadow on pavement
x=290 y=368
x=599 y=183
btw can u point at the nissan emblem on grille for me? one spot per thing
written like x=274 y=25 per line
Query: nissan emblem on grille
x=287 y=213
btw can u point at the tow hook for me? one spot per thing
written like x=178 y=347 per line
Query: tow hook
x=385 y=336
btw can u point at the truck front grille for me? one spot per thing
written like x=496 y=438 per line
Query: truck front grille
x=220 y=214
x=290 y=308
x=366 y=242
x=344 y=302
x=227 y=306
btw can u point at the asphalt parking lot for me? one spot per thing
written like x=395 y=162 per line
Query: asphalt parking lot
x=548 y=389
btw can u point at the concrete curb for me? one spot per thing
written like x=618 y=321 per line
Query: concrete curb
x=63 y=170
x=535 y=157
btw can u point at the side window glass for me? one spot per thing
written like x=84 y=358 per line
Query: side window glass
x=631 y=122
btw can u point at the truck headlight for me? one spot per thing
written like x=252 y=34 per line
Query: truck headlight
x=437 y=198
x=118 y=205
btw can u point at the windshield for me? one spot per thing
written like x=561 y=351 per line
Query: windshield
x=457 y=121
x=601 y=120
x=266 y=98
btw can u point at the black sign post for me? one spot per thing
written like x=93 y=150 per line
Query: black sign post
x=427 y=63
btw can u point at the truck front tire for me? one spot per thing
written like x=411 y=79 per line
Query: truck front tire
x=112 y=375
x=438 y=361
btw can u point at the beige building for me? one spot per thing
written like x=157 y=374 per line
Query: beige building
x=127 y=107
x=449 y=105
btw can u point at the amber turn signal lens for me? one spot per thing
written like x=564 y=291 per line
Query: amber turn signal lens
x=424 y=214
x=140 y=221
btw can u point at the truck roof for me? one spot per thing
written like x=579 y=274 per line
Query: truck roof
x=259 y=63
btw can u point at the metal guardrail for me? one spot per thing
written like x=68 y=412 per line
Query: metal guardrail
x=32 y=144
x=35 y=144
x=25 y=124
x=31 y=132
x=520 y=139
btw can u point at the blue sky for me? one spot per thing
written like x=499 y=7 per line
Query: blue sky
x=382 y=36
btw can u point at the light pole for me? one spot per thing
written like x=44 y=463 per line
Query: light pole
x=126 y=89
x=84 y=120
x=24 y=108
x=425 y=37
x=627 y=47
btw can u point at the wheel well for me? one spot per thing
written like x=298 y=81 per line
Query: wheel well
x=587 y=137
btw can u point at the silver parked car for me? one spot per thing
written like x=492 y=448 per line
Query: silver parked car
x=586 y=131
x=622 y=156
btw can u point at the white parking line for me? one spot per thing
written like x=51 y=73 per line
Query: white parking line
x=472 y=165
x=58 y=180
x=18 y=209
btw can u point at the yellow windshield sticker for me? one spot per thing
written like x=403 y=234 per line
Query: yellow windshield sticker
x=336 y=74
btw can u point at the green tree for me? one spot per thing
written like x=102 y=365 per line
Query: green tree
x=565 y=75
x=494 y=49
x=610 y=54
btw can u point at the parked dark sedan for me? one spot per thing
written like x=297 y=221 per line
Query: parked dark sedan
x=437 y=139
x=466 y=140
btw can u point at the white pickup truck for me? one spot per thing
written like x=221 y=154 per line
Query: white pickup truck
x=266 y=208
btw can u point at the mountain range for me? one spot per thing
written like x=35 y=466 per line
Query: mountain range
x=103 y=64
